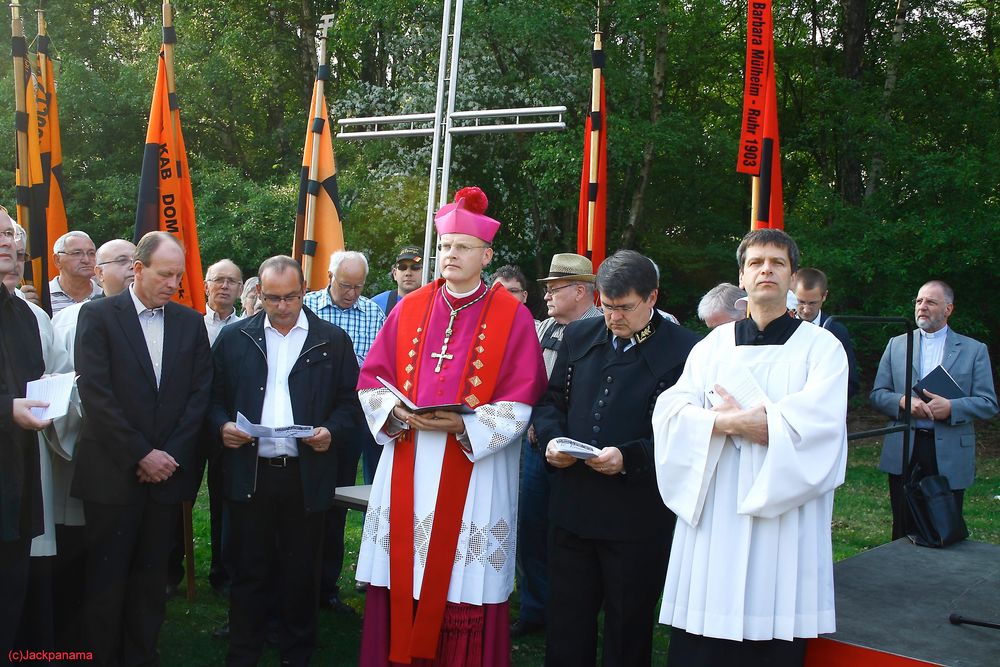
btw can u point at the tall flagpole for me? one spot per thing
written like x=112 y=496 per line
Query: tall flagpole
x=318 y=97
x=596 y=127
x=19 y=49
x=169 y=39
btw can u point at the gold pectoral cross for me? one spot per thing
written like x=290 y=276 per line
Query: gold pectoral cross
x=443 y=354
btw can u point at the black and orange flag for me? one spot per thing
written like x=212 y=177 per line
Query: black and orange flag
x=591 y=224
x=760 y=148
x=50 y=144
x=318 y=230
x=165 y=199
x=29 y=178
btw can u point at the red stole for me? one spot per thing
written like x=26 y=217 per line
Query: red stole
x=416 y=635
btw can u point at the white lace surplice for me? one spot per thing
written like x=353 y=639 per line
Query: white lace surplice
x=483 y=572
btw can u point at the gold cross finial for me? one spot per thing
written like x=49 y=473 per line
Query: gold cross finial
x=325 y=23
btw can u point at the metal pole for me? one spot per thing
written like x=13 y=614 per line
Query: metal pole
x=436 y=148
x=455 y=45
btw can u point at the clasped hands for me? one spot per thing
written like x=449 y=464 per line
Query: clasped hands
x=437 y=420
x=233 y=437
x=732 y=419
x=938 y=408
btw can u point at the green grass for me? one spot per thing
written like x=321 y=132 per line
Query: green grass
x=861 y=521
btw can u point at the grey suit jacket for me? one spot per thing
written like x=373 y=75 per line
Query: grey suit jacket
x=968 y=361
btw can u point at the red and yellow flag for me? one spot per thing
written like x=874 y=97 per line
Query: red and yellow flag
x=50 y=146
x=760 y=147
x=165 y=199
x=30 y=178
x=591 y=225
x=318 y=196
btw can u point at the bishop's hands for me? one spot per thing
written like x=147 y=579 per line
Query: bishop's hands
x=750 y=424
x=438 y=420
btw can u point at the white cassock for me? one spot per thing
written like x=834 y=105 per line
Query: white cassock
x=483 y=572
x=752 y=554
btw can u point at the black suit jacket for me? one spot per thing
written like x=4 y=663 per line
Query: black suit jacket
x=321 y=385
x=127 y=415
x=606 y=399
x=840 y=331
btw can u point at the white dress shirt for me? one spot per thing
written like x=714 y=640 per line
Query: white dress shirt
x=151 y=320
x=931 y=355
x=282 y=353
x=214 y=324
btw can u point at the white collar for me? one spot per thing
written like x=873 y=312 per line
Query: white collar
x=940 y=333
x=301 y=323
x=140 y=307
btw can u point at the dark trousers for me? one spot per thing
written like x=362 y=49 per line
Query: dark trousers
x=532 y=535
x=221 y=570
x=924 y=455
x=625 y=578
x=127 y=551
x=277 y=545
x=371 y=452
x=687 y=650
x=336 y=517
x=36 y=630
x=14 y=564
x=68 y=586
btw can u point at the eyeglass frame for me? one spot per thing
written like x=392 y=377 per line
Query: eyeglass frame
x=225 y=280
x=275 y=300
x=621 y=309
x=546 y=290
x=459 y=248
x=78 y=254
x=117 y=260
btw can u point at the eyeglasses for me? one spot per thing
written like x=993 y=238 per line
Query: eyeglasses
x=516 y=290
x=409 y=267
x=121 y=261
x=620 y=309
x=225 y=281
x=78 y=254
x=9 y=235
x=274 y=300
x=458 y=248
x=553 y=290
x=350 y=288
x=930 y=303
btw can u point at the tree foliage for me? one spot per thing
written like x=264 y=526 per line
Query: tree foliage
x=885 y=185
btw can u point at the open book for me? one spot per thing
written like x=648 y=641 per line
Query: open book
x=460 y=408
x=580 y=450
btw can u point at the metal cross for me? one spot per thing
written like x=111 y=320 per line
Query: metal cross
x=441 y=356
x=443 y=125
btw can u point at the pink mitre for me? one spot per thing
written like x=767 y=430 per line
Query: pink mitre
x=467 y=216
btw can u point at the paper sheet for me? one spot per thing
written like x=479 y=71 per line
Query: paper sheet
x=56 y=390
x=575 y=448
x=258 y=431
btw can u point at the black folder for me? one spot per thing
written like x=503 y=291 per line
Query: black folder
x=940 y=382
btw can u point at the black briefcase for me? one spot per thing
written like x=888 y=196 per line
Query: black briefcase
x=937 y=521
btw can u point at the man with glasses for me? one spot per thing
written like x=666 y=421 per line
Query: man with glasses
x=114 y=273
x=512 y=279
x=406 y=272
x=810 y=287
x=750 y=444
x=441 y=522
x=609 y=532
x=569 y=296
x=21 y=361
x=75 y=255
x=280 y=367
x=342 y=305
x=223 y=284
x=943 y=439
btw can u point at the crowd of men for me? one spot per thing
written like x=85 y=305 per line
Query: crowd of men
x=604 y=458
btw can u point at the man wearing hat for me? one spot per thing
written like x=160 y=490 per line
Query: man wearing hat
x=437 y=549
x=569 y=296
x=406 y=273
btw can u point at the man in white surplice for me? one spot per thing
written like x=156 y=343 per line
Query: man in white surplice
x=752 y=478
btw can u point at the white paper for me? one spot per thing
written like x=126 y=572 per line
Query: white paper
x=55 y=390
x=575 y=448
x=258 y=431
x=739 y=384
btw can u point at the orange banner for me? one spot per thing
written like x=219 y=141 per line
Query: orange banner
x=759 y=68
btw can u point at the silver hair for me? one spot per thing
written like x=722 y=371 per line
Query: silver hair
x=249 y=286
x=339 y=257
x=20 y=236
x=721 y=299
x=60 y=243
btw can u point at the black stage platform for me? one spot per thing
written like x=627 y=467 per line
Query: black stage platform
x=897 y=598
